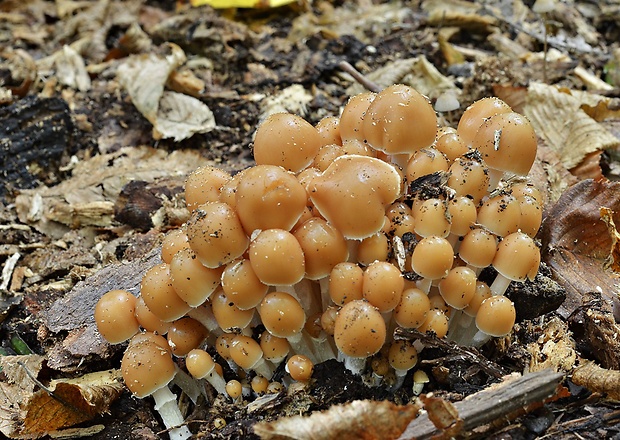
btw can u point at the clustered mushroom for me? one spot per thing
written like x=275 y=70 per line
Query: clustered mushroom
x=342 y=232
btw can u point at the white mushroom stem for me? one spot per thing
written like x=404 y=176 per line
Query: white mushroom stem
x=166 y=405
x=216 y=381
x=500 y=284
x=188 y=384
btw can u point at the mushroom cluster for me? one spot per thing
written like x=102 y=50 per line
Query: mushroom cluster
x=342 y=232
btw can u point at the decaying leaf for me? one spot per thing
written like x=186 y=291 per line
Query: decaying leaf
x=358 y=420
x=73 y=401
x=557 y=117
x=577 y=243
x=173 y=115
x=443 y=414
x=599 y=330
x=71 y=69
x=614 y=255
x=598 y=379
x=458 y=13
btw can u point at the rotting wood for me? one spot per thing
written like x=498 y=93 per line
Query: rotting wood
x=492 y=403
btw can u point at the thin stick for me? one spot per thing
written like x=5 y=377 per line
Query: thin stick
x=357 y=76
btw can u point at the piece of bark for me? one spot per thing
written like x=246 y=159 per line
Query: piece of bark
x=35 y=134
x=491 y=404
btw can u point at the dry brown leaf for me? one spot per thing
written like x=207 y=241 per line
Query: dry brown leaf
x=558 y=118
x=443 y=414
x=598 y=380
x=463 y=14
x=577 y=243
x=358 y=420
x=73 y=401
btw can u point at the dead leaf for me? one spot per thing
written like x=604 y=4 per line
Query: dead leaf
x=614 y=255
x=358 y=420
x=598 y=380
x=554 y=349
x=558 y=118
x=443 y=414
x=73 y=401
x=577 y=243
x=181 y=116
x=71 y=69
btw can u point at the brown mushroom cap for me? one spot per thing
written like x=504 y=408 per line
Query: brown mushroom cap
x=412 y=309
x=345 y=283
x=432 y=258
x=149 y=320
x=234 y=389
x=192 y=281
x=482 y=292
x=146 y=367
x=459 y=287
x=242 y=286
x=531 y=215
x=299 y=367
x=286 y=140
x=436 y=322
x=501 y=215
x=463 y=215
x=400 y=120
x=451 y=145
x=469 y=177
x=329 y=130
x=517 y=257
x=227 y=314
x=402 y=355
x=373 y=248
x=478 y=248
x=352 y=116
x=269 y=197
x=425 y=161
x=282 y=315
x=185 y=334
x=174 y=241
x=359 y=330
x=245 y=352
x=323 y=246
x=115 y=316
x=199 y=363
x=383 y=285
x=507 y=143
x=203 y=185
x=353 y=192
x=432 y=218
x=496 y=316
x=275 y=349
x=277 y=257
x=476 y=114
x=216 y=235
x=159 y=296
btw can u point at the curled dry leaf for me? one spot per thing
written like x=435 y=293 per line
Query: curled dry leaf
x=577 y=243
x=557 y=117
x=443 y=414
x=360 y=419
x=598 y=379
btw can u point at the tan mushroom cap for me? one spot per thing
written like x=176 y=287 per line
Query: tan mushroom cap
x=501 y=215
x=185 y=334
x=531 y=215
x=352 y=116
x=115 y=316
x=517 y=257
x=329 y=130
x=286 y=140
x=432 y=218
x=425 y=161
x=203 y=185
x=463 y=215
x=275 y=349
x=326 y=155
x=459 y=287
x=227 y=314
x=282 y=315
x=373 y=248
x=199 y=363
x=507 y=143
x=432 y=258
x=359 y=330
x=245 y=352
x=259 y=384
x=345 y=283
x=400 y=120
x=192 y=281
x=436 y=322
x=234 y=389
x=151 y=338
x=478 y=248
x=323 y=246
x=242 y=286
x=228 y=191
x=476 y=114
x=146 y=367
x=451 y=145
x=522 y=189
x=174 y=241
x=412 y=309
x=402 y=355
x=216 y=235
x=383 y=285
x=269 y=197
x=482 y=292
x=328 y=320
x=277 y=257
x=469 y=177
x=353 y=192
x=149 y=320
x=222 y=345
x=300 y=368
x=159 y=296
x=496 y=316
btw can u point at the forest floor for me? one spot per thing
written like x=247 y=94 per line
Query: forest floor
x=107 y=105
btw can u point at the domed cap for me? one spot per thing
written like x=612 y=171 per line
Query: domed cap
x=476 y=114
x=203 y=185
x=359 y=330
x=517 y=257
x=159 y=296
x=496 y=316
x=277 y=257
x=282 y=315
x=146 y=367
x=115 y=316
